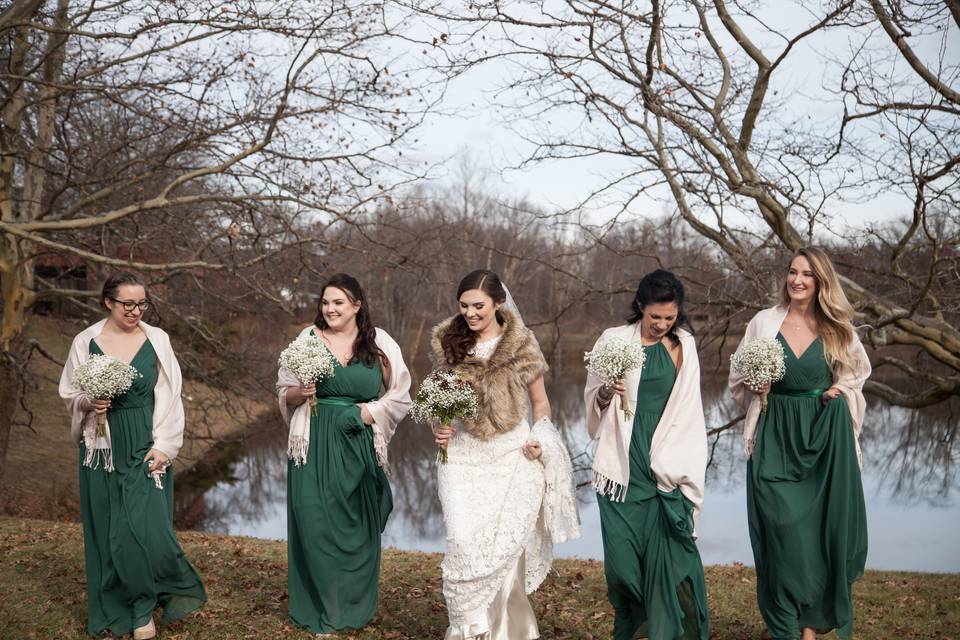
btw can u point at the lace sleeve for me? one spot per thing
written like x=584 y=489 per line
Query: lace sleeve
x=561 y=518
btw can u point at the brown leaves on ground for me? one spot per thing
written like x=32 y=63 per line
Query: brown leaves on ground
x=41 y=575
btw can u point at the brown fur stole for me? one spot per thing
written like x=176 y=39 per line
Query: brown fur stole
x=501 y=381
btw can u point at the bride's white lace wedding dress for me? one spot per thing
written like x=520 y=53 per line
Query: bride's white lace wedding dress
x=503 y=514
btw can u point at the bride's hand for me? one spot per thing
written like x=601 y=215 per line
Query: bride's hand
x=532 y=450
x=442 y=434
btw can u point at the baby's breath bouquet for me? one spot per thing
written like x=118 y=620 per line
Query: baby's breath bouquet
x=103 y=377
x=760 y=361
x=611 y=359
x=442 y=397
x=309 y=360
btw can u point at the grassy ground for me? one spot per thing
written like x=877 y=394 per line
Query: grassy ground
x=41 y=575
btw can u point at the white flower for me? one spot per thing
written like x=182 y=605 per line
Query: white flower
x=308 y=359
x=611 y=359
x=442 y=397
x=103 y=377
x=759 y=361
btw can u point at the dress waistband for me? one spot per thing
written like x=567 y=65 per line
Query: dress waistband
x=336 y=401
x=797 y=393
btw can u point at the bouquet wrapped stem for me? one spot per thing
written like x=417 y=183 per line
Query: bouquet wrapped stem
x=442 y=451
x=444 y=397
x=612 y=359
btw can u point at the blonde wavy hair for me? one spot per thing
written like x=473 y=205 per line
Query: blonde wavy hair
x=833 y=311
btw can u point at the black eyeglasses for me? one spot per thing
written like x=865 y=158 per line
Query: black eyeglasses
x=130 y=305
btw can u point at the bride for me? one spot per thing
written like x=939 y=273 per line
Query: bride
x=507 y=488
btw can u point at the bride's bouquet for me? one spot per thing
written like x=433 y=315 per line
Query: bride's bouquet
x=760 y=361
x=309 y=360
x=612 y=359
x=103 y=377
x=442 y=397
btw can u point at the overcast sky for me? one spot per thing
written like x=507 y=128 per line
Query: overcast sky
x=474 y=126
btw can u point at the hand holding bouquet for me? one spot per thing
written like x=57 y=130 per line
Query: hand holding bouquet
x=761 y=362
x=612 y=359
x=309 y=360
x=442 y=397
x=103 y=377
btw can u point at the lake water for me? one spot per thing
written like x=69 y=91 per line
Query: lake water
x=910 y=482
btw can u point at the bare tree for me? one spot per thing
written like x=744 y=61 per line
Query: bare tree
x=187 y=141
x=701 y=103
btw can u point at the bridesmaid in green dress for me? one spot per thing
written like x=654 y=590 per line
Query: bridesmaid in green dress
x=133 y=560
x=805 y=501
x=655 y=578
x=338 y=496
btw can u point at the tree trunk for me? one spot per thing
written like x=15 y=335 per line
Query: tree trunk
x=10 y=389
x=16 y=286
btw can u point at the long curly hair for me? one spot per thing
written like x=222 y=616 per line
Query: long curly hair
x=658 y=287
x=365 y=347
x=459 y=339
x=833 y=311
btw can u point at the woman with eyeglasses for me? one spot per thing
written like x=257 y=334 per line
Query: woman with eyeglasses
x=134 y=562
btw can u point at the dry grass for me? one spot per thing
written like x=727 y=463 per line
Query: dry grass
x=41 y=573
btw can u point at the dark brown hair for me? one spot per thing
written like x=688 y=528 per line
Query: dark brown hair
x=116 y=280
x=365 y=347
x=657 y=287
x=459 y=339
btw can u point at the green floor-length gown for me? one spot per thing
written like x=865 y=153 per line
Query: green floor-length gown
x=337 y=506
x=133 y=560
x=808 y=524
x=654 y=573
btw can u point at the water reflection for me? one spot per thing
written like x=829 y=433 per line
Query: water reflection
x=910 y=476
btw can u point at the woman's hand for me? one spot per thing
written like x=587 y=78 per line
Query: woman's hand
x=830 y=394
x=532 y=450
x=298 y=395
x=97 y=406
x=608 y=391
x=761 y=390
x=442 y=435
x=365 y=415
x=158 y=460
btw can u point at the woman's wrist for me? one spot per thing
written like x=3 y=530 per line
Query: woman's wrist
x=295 y=396
x=604 y=396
